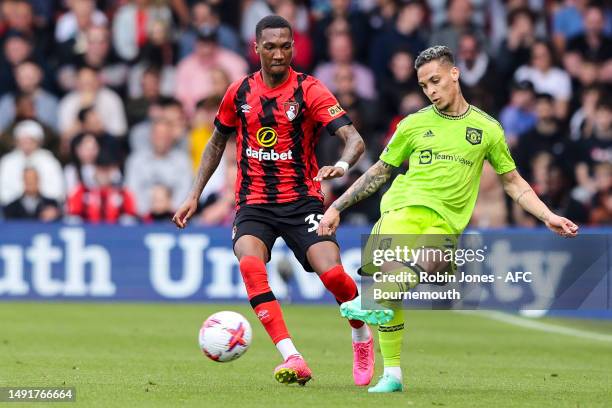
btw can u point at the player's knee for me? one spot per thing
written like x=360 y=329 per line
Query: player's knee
x=246 y=247
x=254 y=275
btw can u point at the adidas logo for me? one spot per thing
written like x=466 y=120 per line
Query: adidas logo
x=429 y=133
x=246 y=108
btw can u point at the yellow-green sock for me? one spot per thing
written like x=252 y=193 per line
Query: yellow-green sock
x=390 y=336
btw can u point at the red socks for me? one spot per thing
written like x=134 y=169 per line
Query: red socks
x=262 y=299
x=342 y=286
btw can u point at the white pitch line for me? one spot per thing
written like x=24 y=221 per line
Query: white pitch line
x=536 y=325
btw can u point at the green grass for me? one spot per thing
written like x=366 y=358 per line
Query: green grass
x=146 y=355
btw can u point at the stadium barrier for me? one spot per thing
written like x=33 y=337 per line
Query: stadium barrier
x=161 y=263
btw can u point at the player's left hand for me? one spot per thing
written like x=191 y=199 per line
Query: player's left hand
x=561 y=226
x=329 y=223
x=329 y=172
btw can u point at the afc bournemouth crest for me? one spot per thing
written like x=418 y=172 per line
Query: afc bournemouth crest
x=291 y=110
x=474 y=136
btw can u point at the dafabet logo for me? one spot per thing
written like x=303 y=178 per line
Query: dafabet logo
x=266 y=138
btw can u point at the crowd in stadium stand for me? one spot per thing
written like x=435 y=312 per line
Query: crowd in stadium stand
x=106 y=106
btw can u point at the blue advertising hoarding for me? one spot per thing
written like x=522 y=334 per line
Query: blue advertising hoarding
x=162 y=263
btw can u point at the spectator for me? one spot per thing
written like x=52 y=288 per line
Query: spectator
x=583 y=119
x=518 y=118
x=44 y=12
x=459 y=20
x=32 y=205
x=341 y=53
x=404 y=34
x=28 y=153
x=587 y=76
x=546 y=136
x=161 y=165
x=558 y=198
x=439 y=10
x=132 y=26
x=362 y=111
x=341 y=17
x=193 y=80
x=148 y=93
x=74 y=24
x=174 y=116
x=500 y=18
x=410 y=103
x=252 y=13
x=90 y=122
x=18 y=18
x=478 y=74
x=160 y=79
x=17 y=48
x=402 y=81
x=601 y=214
x=25 y=109
x=169 y=110
x=205 y=18
x=219 y=207
x=160 y=49
x=568 y=22
x=594 y=42
x=202 y=127
x=28 y=77
x=96 y=52
x=161 y=209
x=82 y=166
x=593 y=149
x=382 y=16
x=220 y=81
x=105 y=202
x=547 y=78
x=90 y=92
x=515 y=49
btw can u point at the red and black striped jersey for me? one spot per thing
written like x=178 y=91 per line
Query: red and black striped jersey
x=276 y=133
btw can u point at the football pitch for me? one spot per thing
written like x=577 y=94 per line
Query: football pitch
x=146 y=355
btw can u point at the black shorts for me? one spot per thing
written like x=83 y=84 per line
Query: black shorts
x=295 y=222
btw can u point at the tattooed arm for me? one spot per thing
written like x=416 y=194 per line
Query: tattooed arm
x=208 y=164
x=522 y=193
x=353 y=149
x=365 y=186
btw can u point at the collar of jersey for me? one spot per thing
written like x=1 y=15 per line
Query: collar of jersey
x=451 y=117
x=263 y=83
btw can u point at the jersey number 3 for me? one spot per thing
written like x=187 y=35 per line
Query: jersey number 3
x=313 y=221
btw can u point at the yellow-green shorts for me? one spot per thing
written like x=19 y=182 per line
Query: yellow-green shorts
x=410 y=227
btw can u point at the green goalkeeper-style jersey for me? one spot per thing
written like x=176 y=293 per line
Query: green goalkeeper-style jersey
x=446 y=155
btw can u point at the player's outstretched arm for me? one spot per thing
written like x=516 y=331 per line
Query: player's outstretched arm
x=353 y=149
x=211 y=156
x=363 y=187
x=522 y=193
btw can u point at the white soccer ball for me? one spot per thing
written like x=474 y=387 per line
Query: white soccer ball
x=225 y=336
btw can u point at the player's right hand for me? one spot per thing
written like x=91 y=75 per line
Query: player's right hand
x=185 y=211
x=329 y=223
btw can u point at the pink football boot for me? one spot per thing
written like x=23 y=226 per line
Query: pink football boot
x=363 y=360
x=293 y=370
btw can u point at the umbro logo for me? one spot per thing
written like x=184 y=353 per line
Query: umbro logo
x=429 y=133
x=246 y=108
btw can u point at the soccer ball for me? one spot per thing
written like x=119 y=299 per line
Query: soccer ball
x=225 y=336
